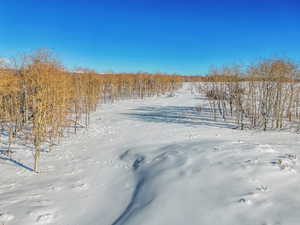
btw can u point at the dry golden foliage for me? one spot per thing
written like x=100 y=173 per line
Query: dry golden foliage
x=40 y=100
x=265 y=96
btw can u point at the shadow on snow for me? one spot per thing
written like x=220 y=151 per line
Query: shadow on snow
x=5 y=158
x=179 y=115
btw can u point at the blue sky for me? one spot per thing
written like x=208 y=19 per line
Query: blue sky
x=186 y=37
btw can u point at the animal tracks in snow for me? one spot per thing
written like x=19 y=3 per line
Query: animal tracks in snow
x=56 y=188
x=258 y=196
x=42 y=215
x=286 y=163
x=45 y=218
x=80 y=186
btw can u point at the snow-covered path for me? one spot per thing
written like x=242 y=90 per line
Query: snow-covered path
x=157 y=162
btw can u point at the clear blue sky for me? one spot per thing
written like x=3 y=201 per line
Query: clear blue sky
x=186 y=36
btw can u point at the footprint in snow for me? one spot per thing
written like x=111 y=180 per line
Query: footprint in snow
x=262 y=188
x=256 y=196
x=251 y=161
x=245 y=201
x=79 y=186
x=43 y=215
x=216 y=149
x=56 y=188
x=286 y=163
x=45 y=218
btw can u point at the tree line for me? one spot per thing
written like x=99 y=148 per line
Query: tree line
x=264 y=96
x=40 y=100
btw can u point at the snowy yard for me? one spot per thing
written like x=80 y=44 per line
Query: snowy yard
x=156 y=161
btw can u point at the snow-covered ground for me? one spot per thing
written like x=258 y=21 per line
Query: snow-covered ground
x=156 y=162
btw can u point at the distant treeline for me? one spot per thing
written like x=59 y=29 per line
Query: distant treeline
x=40 y=100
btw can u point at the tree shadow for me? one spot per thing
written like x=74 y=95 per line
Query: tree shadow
x=5 y=158
x=179 y=115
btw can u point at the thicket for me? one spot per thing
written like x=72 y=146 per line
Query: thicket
x=265 y=96
x=40 y=100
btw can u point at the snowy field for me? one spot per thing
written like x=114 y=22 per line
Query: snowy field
x=156 y=162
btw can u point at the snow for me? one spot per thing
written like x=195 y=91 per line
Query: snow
x=156 y=161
